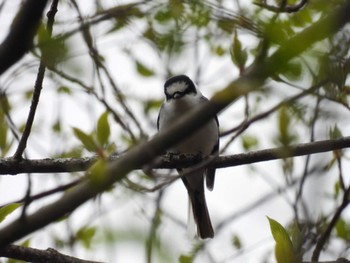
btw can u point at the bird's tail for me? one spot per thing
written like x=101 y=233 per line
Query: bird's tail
x=200 y=215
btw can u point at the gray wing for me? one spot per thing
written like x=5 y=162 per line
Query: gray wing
x=210 y=173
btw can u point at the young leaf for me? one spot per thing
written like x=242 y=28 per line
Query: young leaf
x=249 y=142
x=85 y=139
x=97 y=171
x=85 y=235
x=185 y=259
x=284 y=246
x=238 y=54
x=103 y=129
x=143 y=70
x=8 y=209
x=342 y=229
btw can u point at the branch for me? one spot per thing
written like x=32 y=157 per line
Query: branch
x=48 y=165
x=37 y=87
x=146 y=152
x=285 y=8
x=339 y=260
x=324 y=237
x=38 y=255
x=23 y=29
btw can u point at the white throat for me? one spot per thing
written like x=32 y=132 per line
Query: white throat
x=179 y=86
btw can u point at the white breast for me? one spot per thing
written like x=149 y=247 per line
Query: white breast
x=203 y=140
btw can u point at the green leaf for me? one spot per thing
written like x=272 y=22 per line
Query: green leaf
x=342 y=229
x=151 y=105
x=3 y=134
x=8 y=209
x=53 y=50
x=238 y=54
x=97 y=171
x=249 y=142
x=103 y=129
x=285 y=137
x=64 y=89
x=284 y=246
x=185 y=259
x=293 y=70
x=85 y=139
x=85 y=235
x=143 y=70
x=334 y=132
x=236 y=242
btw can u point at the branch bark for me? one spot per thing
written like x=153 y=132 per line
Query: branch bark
x=22 y=31
x=62 y=165
x=38 y=255
x=37 y=87
x=146 y=152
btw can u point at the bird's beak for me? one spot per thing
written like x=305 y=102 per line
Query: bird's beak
x=177 y=95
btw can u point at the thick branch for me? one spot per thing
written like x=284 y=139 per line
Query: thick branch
x=14 y=166
x=146 y=152
x=22 y=31
x=38 y=255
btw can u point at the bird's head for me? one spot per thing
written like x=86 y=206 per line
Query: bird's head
x=179 y=86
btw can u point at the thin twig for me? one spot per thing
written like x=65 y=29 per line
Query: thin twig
x=247 y=122
x=283 y=8
x=37 y=87
x=43 y=194
x=324 y=237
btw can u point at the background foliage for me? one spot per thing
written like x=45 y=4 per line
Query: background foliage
x=106 y=62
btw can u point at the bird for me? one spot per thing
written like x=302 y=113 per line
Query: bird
x=182 y=95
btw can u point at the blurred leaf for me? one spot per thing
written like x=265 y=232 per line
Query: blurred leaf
x=236 y=242
x=176 y=8
x=301 y=18
x=297 y=241
x=249 y=142
x=97 y=171
x=56 y=127
x=8 y=209
x=293 y=70
x=284 y=246
x=285 y=136
x=151 y=105
x=220 y=51
x=163 y=16
x=334 y=132
x=336 y=189
x=103 y=129
x=86 y=139
x=238 y=54
x=200 y=14
x=85 y=236
x=342 y=229
x=52 y=50
x=3 y=133
x=185 y=259
x=64 y=89
x=143 y=70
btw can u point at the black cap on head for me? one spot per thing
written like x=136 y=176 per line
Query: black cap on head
x=190 y=87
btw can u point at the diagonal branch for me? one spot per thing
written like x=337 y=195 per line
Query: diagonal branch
x=22 y=31
x=146 y=152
